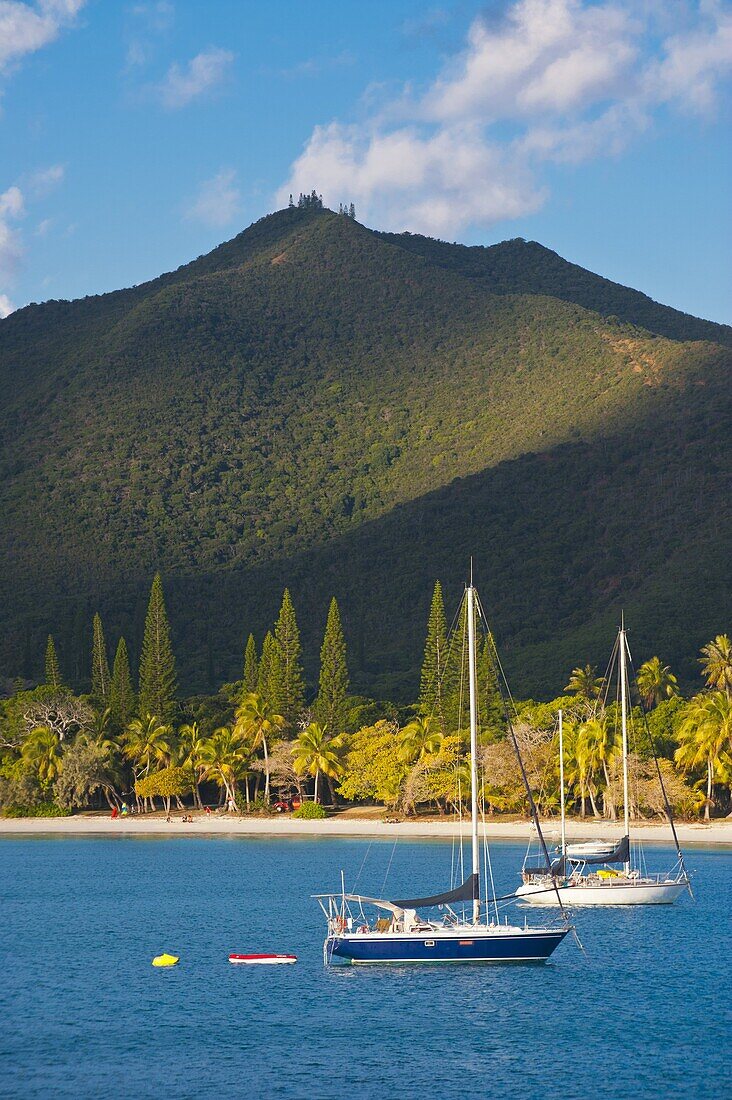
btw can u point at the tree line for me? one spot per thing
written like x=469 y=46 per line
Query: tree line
x=265 y=736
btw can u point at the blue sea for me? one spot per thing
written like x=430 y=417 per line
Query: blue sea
x=643 y=1012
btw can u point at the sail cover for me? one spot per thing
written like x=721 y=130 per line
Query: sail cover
x=619 y=854
x=468 y=891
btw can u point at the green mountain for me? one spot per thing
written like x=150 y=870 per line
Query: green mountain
x=355 y=413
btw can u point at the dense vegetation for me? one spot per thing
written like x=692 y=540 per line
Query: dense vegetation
x=341 y=411
x=263 y=740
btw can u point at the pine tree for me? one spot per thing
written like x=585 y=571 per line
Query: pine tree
x=250 y=679
x=432 y=683
x=53 y=672
x=100 y=678
x=265 y=666
x=490 y=702
x=288 y=700
x=333 y=686
x=157 y=663
x=455 y=676
x=121 y=694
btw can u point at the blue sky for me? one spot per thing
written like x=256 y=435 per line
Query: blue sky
x=135 y=136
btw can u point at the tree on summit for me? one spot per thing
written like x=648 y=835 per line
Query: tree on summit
x=312 y=201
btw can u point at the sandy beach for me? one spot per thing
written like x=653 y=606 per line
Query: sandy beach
x=350 y=824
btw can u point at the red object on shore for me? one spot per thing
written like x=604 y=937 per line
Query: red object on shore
x=266 y=958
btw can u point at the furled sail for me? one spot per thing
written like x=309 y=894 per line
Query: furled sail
x=468 y=891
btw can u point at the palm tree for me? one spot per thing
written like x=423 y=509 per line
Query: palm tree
x=656 y=682
x=147 y=741
x=314 y=752
x=42 y=751
x=255 y=718
x=716 y=662
x=191 y=745
x=705 y=737
x=585 y=683
x=599 y=746
x=224 y=757
x=419 y=738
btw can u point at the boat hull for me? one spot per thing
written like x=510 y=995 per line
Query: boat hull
x=613 y=892
x=468 y=946
x=262 y=960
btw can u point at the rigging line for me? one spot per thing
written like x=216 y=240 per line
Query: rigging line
x=487 y=860
x=363 y=863
x=493 y=654
x=606 y=681
x=391 y=857
x=667 y=804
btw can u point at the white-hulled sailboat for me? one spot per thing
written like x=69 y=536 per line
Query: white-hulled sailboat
x=405 y=934
x=583 y=874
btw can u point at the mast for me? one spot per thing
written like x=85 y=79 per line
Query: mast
x=624 y=720
x=470 y=595
x=561 y=789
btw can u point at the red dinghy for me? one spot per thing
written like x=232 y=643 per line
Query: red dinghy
x=262 y=959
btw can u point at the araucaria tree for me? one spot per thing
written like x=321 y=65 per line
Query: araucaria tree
x=289 y=695
x=53 y=672
x=101 y=681
x=432 y=682
x=157 y=664
x=333 y=685
x=250 y=679
x=121 y=694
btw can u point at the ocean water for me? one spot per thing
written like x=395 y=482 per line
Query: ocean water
x=643 y=1012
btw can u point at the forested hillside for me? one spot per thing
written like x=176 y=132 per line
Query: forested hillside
x=355 y=414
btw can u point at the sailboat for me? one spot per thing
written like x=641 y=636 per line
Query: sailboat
x=583 y=874
x=403 y=934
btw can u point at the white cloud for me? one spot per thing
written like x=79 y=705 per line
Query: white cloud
x=689 y=72
x=433 y=184
x=553 y=81
x=6 y=306
x=147 y=22
x=43 y=181
x=43 y=227
x=25 y=28
x=12 y=207
x=202 y=73
x=217 y=202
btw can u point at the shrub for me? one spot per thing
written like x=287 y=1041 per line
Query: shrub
x=43 y=809
x=310 y=811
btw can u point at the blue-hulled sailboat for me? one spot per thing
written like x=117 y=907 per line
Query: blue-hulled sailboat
x=404 y=931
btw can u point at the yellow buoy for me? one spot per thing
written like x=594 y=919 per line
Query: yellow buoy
x=165 y=960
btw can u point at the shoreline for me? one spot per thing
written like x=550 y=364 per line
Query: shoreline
x=717 y=834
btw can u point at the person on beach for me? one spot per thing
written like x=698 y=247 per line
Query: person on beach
x=115 y=812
